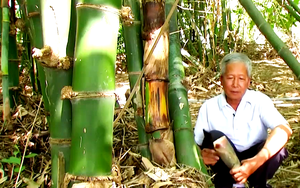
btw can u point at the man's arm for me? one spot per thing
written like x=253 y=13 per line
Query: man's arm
x=274 y=143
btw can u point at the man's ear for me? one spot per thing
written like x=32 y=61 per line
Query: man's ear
x=221 y=79
x=249 y=82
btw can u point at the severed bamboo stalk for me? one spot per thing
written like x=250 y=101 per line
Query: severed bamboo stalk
x=226 y=152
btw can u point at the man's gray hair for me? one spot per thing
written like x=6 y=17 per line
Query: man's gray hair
x=236 y=57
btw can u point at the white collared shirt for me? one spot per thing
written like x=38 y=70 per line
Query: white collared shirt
x=246 y=126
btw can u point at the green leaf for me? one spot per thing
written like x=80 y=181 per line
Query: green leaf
x=17 y=169
x=31 y=155
x=13 y=160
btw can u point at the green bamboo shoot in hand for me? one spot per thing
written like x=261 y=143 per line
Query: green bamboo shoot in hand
x=226 y=152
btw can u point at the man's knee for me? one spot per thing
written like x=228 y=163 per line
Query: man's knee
x=268 y=169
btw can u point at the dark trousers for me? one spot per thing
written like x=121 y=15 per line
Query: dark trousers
x=258 y=179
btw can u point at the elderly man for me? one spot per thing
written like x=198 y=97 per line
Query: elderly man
x=244 y=117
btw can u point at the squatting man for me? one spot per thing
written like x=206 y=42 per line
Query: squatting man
x=244 y=116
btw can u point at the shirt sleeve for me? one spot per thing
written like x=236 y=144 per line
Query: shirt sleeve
x=270 y=116
x=201 y=124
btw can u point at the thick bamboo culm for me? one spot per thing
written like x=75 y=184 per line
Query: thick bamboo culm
x=58 y=75
x=93 y=111
x=134 y=58
x=179 y=106
x=271 y=36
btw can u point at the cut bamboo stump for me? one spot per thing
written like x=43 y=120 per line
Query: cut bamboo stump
x=226 y=152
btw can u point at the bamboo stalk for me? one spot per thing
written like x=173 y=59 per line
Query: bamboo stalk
x=31 y=10
x=179 y=106
x=271 y=36
x=13 y=70
x=156 y=78
x=93 y=112
x=198 y=22
x=4 y=60
x=224 y=27
x=58 y=75
x=134 y=59
x=290 y=9
x=190 y=46
x=294 y=5
x=230 y=29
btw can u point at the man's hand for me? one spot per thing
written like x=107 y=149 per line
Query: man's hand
x=210 y=156
x=248 y=166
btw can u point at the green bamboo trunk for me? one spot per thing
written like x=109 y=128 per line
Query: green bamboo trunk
x=13 y=70
x=1 y=20
x=230 y=27
x=4 y=60
x=192 y=24
x=271 y=36
x=191 y=48
x=94 y=82
x=60 y=123
x=32 y=16
x=13 y=60
x=179 y=106
x=294 y=5
x=224 y=40
x=290 y=9
x=198 y=22
x=134 y=58
x=58 y=75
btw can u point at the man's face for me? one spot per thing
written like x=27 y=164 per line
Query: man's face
x=235 y=81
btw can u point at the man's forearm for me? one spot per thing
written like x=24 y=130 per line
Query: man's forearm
x=275 y=142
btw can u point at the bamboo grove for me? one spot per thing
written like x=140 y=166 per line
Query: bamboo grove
x=71 y=47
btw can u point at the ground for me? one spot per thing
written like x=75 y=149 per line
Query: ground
x=271 y=76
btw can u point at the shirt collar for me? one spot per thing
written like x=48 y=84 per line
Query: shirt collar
x=222 y=99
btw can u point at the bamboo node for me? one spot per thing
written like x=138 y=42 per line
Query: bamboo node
x=162 y=79
x=135 y=73
x=59 y=141
x=33 y=14
x=127 y=15
x=68 y=93
x=99 y=7
x=15 y=60
x=115 y=178
x=48 y=58
x=14 y=88
x=183 y=128
x=20 y=24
